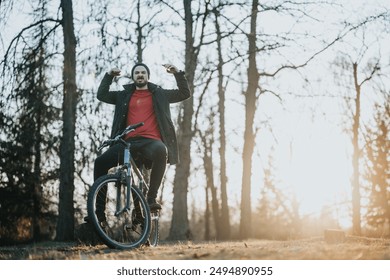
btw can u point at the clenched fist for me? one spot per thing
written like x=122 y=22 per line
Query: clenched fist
x=172 y=69
x=114 y=72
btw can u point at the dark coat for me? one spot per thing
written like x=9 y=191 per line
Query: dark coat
x=161 y=100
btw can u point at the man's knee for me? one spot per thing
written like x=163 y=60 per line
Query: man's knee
x=100 y=166
x=98 y=162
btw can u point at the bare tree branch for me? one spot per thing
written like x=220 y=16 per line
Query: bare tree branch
x=20 y=34
x=342 y=35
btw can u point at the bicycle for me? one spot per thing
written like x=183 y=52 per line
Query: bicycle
x=116 y=204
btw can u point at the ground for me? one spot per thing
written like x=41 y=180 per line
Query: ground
x=351 y=248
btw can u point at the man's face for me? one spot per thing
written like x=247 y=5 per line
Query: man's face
x=140 y=76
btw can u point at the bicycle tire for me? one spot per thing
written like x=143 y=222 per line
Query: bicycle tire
x=123 y=231
x=154 y=237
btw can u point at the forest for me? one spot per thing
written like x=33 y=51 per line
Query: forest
x=286 y=133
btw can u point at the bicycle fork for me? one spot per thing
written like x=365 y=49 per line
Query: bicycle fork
x=127 y=178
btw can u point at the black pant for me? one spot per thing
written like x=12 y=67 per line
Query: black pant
x=152 y=150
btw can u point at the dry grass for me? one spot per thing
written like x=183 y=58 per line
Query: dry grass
x=351 y=248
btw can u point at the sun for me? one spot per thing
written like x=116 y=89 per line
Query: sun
x=319 y=169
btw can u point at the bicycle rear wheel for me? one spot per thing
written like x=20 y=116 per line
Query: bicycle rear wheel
x=154 y=237
x=124 y=230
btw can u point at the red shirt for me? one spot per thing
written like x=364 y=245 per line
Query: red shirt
x=141 y=110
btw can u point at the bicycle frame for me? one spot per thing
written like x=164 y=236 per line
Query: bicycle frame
x=129 y=166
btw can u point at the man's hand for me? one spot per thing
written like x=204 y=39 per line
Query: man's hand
x=172 y=69
x=114 y=72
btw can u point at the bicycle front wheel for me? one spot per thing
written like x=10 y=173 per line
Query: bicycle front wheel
x=122 y=220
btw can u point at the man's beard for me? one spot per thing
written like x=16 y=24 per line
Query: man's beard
x=140 y=84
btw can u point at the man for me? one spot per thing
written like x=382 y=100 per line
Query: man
x=146 y=102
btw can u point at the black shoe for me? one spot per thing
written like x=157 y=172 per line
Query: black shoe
x=101 y=218
x=153 y=204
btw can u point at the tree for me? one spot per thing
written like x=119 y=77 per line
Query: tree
x=223 y=227
x=351 y=66
x=207 y=141
x=377 y=170
x=253 y=77
x=356 y=218
x=26 y=145
x=21 y=151
x=180 y=227
x=65 y=224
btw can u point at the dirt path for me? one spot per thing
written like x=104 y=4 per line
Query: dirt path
x=308 y=249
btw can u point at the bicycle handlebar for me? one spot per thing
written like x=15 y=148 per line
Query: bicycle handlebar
x=117 y=138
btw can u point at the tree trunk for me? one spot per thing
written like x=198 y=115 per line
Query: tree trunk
x=207 y=216
x=38 y=112
x=37 y=189
x=209 y=172
x=249 y=135
x=139 y=34
x=180 y=227
x=356 y=218
x=65 y=224
x=224 y=223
